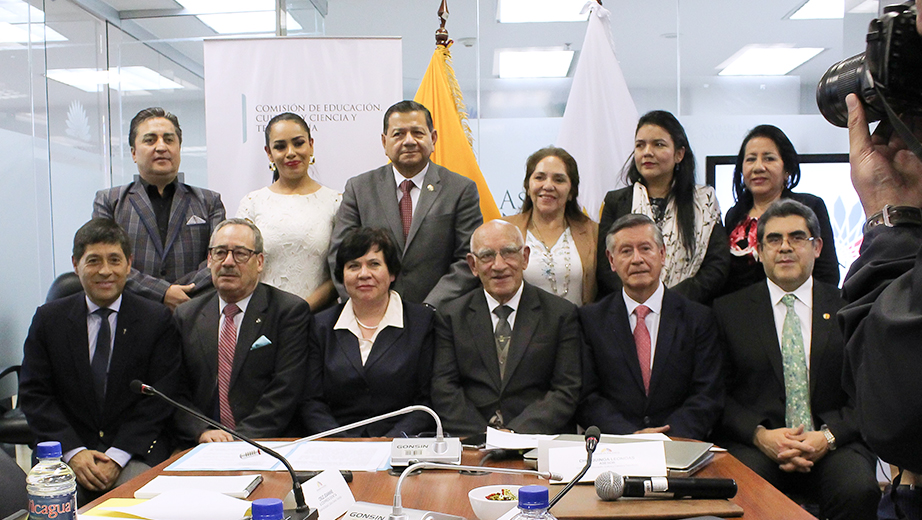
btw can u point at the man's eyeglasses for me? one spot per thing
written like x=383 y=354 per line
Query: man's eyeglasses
x=489 y=255
x=797 y=239
x=242 y=255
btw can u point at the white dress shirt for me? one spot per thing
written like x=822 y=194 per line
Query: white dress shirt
x=393 y=317
x=417 y=181
x=513 y=303
x=803 y=306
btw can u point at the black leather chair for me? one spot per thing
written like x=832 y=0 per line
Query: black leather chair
x=13 y=426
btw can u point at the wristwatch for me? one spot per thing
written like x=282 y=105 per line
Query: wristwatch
x=892 y=216
x=830 y=438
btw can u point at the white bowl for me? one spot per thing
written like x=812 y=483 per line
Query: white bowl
x=491 y=509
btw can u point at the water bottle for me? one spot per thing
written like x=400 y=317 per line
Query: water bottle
x=51 y=485
x=533 y=502
x=267 y=509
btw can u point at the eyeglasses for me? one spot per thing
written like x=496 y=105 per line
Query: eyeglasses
x=489 y=256
x=242 y=255
x=797 y=239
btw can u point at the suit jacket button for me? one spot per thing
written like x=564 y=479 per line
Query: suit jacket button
x=163 y=272
x=647 y=421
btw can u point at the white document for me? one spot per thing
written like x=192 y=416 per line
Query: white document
x=637 y=459
x=329 y=493
x=183 y=504
x=238 y=486
x=353 y=456
x=513 y=441
x=225 y=456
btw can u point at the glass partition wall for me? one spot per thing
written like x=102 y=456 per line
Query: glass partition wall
x=76 y=71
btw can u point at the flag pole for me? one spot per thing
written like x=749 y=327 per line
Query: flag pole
x=441 y=34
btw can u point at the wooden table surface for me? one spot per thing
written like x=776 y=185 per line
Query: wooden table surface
x=446 y=492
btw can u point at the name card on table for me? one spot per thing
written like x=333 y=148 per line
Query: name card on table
x=637 y=459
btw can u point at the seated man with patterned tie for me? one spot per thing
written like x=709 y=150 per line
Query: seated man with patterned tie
x=506 y=354
x=652 y=360
x=787 y=415
x=244 y=347
x=80 y=356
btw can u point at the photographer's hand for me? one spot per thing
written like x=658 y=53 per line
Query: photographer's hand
x=884 y=171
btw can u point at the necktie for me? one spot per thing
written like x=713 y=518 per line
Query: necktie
x=796 y=389
x=503 y=334
x=227 y=343
x=406 y=207
x=643 y=344
x=100 y=362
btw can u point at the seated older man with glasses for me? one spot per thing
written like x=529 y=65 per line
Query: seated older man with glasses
x=244 y=346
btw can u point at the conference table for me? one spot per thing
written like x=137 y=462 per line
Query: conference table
x=446 y=492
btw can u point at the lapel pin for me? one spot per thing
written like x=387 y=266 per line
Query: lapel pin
x=124 y=331
x=260 y=320
x=429 y=187
x=826 y=316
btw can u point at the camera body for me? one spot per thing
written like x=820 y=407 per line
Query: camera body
x=891 y=66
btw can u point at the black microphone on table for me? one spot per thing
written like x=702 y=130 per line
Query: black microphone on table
x=612 y=486
x=592 y=440
x=301 y=512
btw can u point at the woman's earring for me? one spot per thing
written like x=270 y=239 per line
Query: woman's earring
x=272 y=167
x=313 y=160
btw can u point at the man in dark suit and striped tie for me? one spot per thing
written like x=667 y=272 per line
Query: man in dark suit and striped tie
x=168 y=221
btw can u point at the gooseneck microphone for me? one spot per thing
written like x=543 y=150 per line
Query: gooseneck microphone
x=301 y=512
x=592 y=440
x=612 y=486
x=403 y=451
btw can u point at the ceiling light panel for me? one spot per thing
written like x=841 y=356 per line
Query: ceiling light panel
x=820 y=10
x=227 y=6
x=760 y=60
x=523 y=11
x=239 y=23
x=124 y=79
x=533 y=63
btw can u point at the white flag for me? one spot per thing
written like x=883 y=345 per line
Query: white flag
x=599 y=121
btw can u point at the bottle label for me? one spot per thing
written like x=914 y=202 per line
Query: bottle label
x=57 y=507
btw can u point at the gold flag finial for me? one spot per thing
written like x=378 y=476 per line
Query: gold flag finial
x=441 y=34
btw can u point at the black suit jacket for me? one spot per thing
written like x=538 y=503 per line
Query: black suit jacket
x=542 y=379
x=686 y=387
x=57 y=392
x=755 y=377
x=266 y=381
x=340 y=390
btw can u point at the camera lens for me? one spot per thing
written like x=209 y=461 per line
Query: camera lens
x=840 y=80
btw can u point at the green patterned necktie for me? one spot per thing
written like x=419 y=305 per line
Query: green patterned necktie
x=796 y=386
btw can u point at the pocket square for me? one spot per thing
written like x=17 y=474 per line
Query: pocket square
x=261 y=342
x=195 y=220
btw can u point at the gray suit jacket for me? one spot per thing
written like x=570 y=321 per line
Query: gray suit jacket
x=541 y=386
x=433 y=257
x=267 y=378
x=181 y=260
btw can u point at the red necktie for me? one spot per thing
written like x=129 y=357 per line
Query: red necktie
x=227 y=343
x=406 y=206
x=642 y=342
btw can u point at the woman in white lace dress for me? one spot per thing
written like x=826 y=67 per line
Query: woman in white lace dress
x=295 y=215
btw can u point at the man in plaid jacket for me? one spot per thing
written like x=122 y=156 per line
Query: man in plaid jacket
x=169 y=222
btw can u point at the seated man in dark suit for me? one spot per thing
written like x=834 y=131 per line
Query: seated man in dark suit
x=652 y=359
x=244 y=347
x=82 y=352
x=787 y=418
x=507 y=354
x=168 y=221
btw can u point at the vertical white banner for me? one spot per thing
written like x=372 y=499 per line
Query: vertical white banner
x=340 y=86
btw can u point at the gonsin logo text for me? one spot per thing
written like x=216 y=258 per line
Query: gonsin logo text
x=411 y=446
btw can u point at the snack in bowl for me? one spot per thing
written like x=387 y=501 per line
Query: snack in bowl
x=502 y=495
x=492 y=502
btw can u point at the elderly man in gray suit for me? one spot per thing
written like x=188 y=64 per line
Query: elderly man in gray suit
x=169 y=222
x=431 y=210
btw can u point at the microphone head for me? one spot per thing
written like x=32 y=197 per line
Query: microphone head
x=609 y=486
x=593 y=432
x=137 y=387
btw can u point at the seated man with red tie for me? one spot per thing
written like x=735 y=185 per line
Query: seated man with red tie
x=651 y=362
x=788 y=417
x=80 y=356
x=244 y=347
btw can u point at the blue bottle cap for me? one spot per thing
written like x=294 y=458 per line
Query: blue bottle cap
x=533 y=497
x=267 y=509
x=48 y=450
